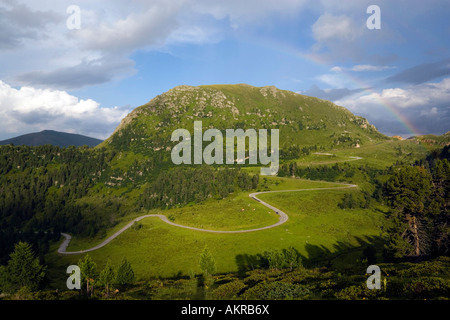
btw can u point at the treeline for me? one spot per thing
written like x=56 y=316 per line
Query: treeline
x=180 y=186
x=295 y=152
x=328 y=172
x=39 y=187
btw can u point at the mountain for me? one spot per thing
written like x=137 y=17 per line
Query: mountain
x=433 y=140
x=305 y=123
x=60 y=139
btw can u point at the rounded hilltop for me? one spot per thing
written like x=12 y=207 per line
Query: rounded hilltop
x=303 y=121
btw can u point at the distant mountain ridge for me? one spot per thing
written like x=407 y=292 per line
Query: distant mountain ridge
x=60 y=139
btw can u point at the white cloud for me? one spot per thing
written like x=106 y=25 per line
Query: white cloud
x=361 y=68
x=426 y=106
x=331 y=28
x=110 y=33
x=336 y=80
x=248 y=11
x=149 y=27
x=28 y=109
x=368 y=67
x=337 y=69
x=433 y=112
x=19 y=23
x=88 y=72
x=418 y=96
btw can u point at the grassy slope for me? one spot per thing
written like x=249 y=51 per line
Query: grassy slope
x=379 y=155
x=316 y=227
x=302 y=120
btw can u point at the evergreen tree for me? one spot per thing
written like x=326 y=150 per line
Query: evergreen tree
x=125 y=274
x=107 y=276
x=255 y=181
x=207 y=262
x=292 y=258
x=407 y=191
x=23 y=270
x=275 y=258
x=88 y=270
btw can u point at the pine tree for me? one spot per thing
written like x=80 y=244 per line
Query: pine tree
x=23 y=270
x=255 y=181
x=88 y=270
x=107 y=276
x=125 y=274
x=408 y=190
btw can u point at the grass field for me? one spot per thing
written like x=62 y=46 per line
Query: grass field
x=317 y=228
x=379 y=155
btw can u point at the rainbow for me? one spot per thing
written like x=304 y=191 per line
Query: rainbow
x=406 y=123
x=291 y=50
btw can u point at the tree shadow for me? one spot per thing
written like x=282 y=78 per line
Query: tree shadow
x=246 y=262
x=386 y=212
x=345 y=255
x=342 y=256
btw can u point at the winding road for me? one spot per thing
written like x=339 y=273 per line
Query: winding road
x=283 y=218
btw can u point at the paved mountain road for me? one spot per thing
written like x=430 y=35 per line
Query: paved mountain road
x=283 y=218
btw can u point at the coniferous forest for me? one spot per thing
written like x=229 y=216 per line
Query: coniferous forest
x=40 y=188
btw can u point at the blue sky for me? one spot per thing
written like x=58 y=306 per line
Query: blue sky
x=126 y=52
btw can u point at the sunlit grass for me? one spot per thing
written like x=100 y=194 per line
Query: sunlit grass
x=158 y=249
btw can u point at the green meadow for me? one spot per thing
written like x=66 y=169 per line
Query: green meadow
x=317 y=228
x=377 y=155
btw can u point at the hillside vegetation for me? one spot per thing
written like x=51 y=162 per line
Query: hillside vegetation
x=91 y=193
x=305 y=123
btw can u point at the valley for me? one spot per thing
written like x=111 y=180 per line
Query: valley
x=336 y=204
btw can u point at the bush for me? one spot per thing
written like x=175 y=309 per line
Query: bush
x=276 y=291
x=229 y=290
x=428 y=287
x=360 y=292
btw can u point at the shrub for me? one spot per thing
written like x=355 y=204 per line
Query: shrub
x=428 y=287
x=229 y=290
x=276 y=291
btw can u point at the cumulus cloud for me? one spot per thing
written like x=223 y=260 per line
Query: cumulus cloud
x=111 y=32
x=417 y=96
x=28 y=109
x=149 y=27
x=426 y=105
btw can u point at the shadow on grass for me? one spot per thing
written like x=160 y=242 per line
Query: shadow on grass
x=342 y=256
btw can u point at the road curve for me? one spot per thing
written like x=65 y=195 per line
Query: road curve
x=283 y=218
